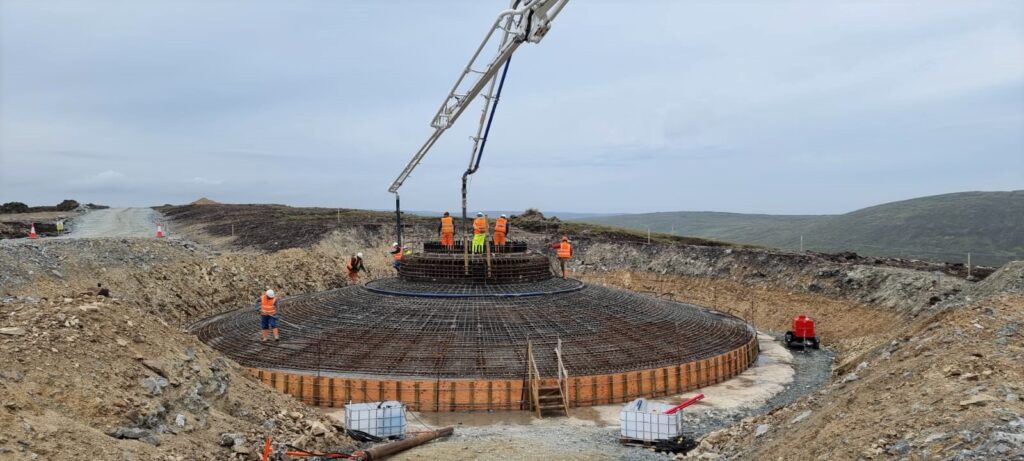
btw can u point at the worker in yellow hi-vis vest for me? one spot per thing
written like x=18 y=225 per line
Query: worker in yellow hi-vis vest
x=479 y=233
x=60 y=227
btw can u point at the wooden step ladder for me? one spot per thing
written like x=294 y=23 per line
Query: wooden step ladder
x=547 y=397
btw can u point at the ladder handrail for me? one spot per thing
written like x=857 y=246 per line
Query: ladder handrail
x=534 y=378
x=563 y=376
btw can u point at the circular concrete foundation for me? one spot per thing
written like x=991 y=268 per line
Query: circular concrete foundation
x=448 y=345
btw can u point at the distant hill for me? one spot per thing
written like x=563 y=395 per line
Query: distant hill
x=204 y=201
x=945 y=227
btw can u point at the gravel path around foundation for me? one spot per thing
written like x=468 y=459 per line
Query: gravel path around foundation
x=813 y=369
x=586 y=435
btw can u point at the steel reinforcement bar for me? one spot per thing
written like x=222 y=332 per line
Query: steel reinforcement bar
x=475 y=268
x=441 y=395
x=355 y=331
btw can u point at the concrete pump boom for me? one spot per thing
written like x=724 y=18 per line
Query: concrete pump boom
x=524 y=21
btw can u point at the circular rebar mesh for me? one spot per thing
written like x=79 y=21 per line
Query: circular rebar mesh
x=475 y=268
x=354 y=331
x=458 y=247
x=394 y=286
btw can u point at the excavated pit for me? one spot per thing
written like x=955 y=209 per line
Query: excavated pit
x=451 y=332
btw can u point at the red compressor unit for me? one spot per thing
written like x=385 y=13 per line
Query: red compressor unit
x=802 y=335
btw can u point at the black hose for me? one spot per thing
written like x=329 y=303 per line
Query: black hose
x=490 y=120
x=483 y=142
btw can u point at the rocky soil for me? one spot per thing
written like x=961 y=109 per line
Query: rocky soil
x=91 y=377
x=14 y=226
x=177 y=280
x=110 y=376
x=928 y=364
x=943 y=387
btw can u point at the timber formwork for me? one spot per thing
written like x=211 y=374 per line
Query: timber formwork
x=451 y=344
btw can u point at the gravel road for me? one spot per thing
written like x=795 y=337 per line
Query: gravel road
x=115 y=222
x=592 y=433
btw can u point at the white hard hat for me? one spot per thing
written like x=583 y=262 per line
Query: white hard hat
x=359 y=255
x=394 y=244
x=478 y=213
x=270 y=293
x=503 y=216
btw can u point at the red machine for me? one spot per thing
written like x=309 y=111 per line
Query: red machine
x=802 y=334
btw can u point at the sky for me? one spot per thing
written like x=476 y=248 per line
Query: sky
x=810 y=107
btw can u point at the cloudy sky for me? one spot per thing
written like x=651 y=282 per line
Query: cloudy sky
x=774 y=107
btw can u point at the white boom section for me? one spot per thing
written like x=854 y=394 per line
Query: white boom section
x=525 y=21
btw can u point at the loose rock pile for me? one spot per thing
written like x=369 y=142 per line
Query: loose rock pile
x=92 y=377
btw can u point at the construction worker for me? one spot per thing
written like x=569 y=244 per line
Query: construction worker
x=355 y=264
x=396 y=252
x=447 y=230
x=501 y=231
x=479 y=233
x=269 y=314
x=564 y=252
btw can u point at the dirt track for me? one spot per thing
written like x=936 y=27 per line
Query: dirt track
x=116 y=222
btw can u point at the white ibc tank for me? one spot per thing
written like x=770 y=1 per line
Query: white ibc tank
x=379 y=419
x=643 y=420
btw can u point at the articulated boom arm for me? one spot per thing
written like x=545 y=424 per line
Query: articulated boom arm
x=525 y=21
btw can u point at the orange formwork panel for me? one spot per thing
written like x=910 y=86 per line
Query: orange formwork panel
x=444 y=395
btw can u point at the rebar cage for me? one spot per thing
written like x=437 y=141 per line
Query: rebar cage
x=436 y=323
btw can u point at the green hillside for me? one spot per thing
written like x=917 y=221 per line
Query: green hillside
x=990 y=225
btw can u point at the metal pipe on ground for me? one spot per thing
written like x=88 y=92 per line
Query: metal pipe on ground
x=690 y=401
x=388 y=449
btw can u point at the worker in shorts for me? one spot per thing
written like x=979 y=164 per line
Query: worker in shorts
x=269 y=314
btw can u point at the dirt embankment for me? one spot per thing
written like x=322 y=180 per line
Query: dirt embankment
x=946 y=386
x=91 y=377
x=176 y=280
x=868 y=281
x=903 y=291
x=278 y=227
x=18 y=225
x=846 y=327
x=17 y=217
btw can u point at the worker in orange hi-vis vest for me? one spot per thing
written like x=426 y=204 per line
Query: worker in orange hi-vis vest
x=269 y=314
x=564 y=252
x=501 y=231
x=396 y=253
x=355 y=264
x=447 y=230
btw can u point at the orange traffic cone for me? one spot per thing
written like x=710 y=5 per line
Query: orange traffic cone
x=159 y=230
x=32 y=232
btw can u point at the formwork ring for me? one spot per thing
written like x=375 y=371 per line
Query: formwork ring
x=394 y=287
x=451 y=333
